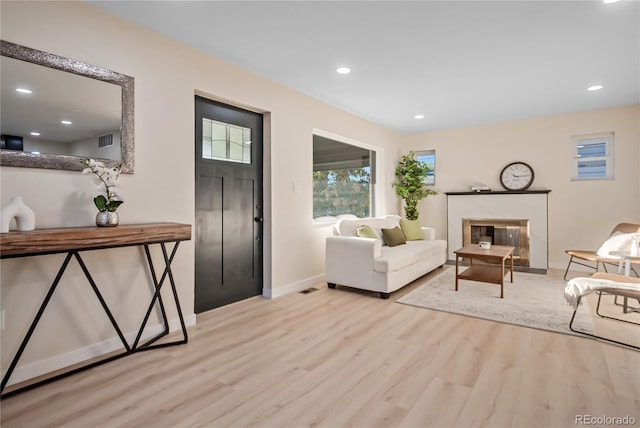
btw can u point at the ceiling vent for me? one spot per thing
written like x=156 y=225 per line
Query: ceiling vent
x=105 y=140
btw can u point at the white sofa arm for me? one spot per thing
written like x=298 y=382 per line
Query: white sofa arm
x=429 y=233
x=350 y=260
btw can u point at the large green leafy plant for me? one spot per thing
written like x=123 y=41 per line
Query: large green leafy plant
x=409 y=184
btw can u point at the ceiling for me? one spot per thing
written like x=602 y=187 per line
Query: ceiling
x=458 y=63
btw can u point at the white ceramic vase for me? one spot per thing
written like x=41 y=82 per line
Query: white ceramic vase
x=16 y=208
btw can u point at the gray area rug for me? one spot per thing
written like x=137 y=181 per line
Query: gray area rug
x=535 y=301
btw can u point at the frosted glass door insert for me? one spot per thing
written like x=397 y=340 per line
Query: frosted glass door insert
x=224 y=141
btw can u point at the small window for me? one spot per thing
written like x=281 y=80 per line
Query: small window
x=593 y=156
x=428 y=157
x=223 y=141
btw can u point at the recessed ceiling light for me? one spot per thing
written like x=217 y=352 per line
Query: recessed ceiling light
x=594 y=88
x=343 y=70
x=610 y=1
x=419 y=116
x=66 y=122
x=24 y=91
x=35 y=134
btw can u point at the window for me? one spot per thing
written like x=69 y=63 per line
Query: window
x=593 y=156
x=343 y=179
x=223 y=141
x=428 y=157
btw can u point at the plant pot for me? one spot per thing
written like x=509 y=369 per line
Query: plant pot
x=107 y=219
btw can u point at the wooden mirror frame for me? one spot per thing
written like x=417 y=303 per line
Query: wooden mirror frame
x=52 y=161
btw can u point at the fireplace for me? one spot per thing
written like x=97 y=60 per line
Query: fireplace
x=511 y=232
x=503 y=206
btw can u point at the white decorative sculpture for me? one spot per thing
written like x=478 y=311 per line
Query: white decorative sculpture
x=25 y=218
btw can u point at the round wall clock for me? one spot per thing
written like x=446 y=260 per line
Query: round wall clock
x=516 y=176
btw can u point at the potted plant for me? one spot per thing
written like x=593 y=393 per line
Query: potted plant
x=409 y=184
x=106 y=178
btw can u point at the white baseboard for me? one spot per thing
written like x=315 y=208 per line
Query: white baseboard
x=292 y=288
x=39 y=368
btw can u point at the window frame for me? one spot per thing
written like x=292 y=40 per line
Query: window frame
x=428 y=181
x=378 y=181
x=578 y=140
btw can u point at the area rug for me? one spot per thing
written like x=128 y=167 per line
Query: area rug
x=532 y=300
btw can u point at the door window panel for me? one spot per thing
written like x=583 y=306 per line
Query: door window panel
x=224 y=141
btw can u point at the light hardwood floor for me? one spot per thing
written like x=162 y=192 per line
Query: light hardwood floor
x=334 y=358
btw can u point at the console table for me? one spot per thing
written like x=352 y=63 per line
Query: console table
x=75 y=240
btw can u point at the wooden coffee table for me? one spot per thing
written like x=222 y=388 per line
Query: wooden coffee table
x=493 y=273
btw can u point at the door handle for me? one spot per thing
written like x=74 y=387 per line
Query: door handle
x=258 y=219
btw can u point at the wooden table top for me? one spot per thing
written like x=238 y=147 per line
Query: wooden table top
x=494 y=251
x=60 y=240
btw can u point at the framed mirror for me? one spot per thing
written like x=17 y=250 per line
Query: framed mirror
x=57 y=111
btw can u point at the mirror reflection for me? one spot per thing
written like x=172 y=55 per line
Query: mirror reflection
x=56 y=111
x=47 y=111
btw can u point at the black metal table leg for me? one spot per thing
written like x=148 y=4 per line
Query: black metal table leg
x=101 y=299
x=35 y=321
x=157 y=296
x=127 y=348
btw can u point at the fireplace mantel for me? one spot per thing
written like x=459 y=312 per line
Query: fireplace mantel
x=531 y=205
x=500 y=192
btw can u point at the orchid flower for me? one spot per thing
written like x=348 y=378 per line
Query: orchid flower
x=106 y=177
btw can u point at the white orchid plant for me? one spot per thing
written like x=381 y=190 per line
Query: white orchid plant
x=107 y=178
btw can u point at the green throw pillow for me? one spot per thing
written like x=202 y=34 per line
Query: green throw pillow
x=393 y=236
x=412 y=229
x=367 y=231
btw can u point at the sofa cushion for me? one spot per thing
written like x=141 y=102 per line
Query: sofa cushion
x=412 y=229
x=367 y=231
x=427 y=248
x=393 y=237
x=395 y=258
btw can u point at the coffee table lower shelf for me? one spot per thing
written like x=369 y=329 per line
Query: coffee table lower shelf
x=484 y=273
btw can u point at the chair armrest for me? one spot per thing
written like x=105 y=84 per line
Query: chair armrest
x=429 y=233
x=350 y=260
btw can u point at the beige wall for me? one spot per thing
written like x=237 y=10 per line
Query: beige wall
x=167 y=75
x=582 y=213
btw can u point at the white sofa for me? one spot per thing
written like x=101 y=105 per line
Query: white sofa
x=367 y=264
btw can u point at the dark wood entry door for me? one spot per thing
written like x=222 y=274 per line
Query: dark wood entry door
x=228 y=230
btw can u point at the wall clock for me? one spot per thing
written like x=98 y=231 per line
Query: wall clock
x=516 y=176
